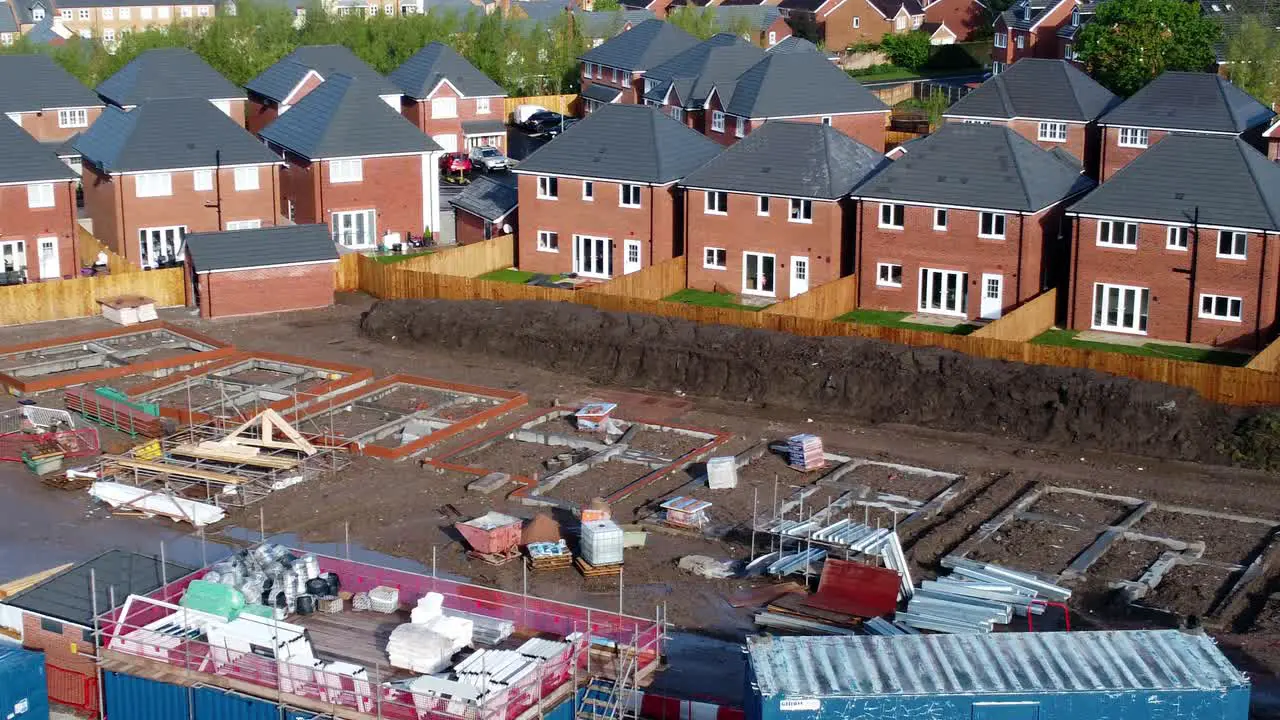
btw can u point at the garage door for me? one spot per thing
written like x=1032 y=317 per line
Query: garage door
x=448 y=142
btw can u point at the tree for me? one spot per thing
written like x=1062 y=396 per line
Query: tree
x=906 y=50
x=694 y=20
x=1253 y=59
x=1130 y=42
x=606 y=5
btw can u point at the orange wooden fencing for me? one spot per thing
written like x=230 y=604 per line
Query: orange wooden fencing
x=467 y=260
x=652 y=283
x=825 y=302
x=1026 y=321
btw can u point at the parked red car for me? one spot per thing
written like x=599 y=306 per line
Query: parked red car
x=455 y=162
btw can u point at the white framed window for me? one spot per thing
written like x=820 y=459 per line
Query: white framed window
x=373 y=10
x=73 y=118
x=247 y=179
x=202 y=180
x=185 y=11
x=888 y=275
x=1075 y=17
x=857 y=22
x=892 y=216
x=158 y=245
x=586 y=70
x=548 y=188
x=144 y=13
x=599 y=72
x=162 y=12
x=1232 y=244
x=759 y=273
x=40 y=195
x=355 y=228
x=917 y=21
x=86 y=33
x=1133 y=137
x=548 y=241
x=6 y=38
x=1069 y=52
x=773 y=38
x=1002 y=40
x=1020 y=41
x=714 y=258
x=153 y=185
x=1176 y=237
x=109 y=35
x=65 y=14
x=628 y=196
x=84 y=13
x=739 y=127
x=997 y=67
x=826 y=120
x=390 y=10
x=1221 y=307
x=1052 y=132
x=939 y=218
x=677 y=114
x=801 y=211
x=348 y=170
x=717 y=121
x=244 y=224
x=13 y=255
x=444 y=107
x=126 y=13
x=1120 y=308
x=762 y=206
x=588 y=191
x=107 y=14
x=482 y=106
x=716 y=202
x=203 y=11
x=1114 y=233
x=991 y=225
x=900 y=22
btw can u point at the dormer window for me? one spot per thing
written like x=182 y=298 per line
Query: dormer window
x=1075 y=17
x=37 y=13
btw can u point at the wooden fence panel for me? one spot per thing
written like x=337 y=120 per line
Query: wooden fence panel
x=652 y=283
x=88 y=248
x=346 y=276
x=1026 y=321
x=62 y=299
x=563 y=104
x=467 y=260
x=1268 y=360
x=827 y=301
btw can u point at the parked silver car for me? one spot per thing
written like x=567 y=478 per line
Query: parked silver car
x=490 y=158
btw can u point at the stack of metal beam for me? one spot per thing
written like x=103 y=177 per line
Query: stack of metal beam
x=976 y=597
x=485 y=630
x=796 y=562
x=880 y=626
x=795 y=624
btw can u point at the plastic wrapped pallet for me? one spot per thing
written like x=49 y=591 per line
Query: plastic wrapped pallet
x=384 y=599
x=427 y=609
x=360 y=602
x=485 y=630
x=722 y=473
x=330 y=605
x=420 y=649
x=602 y=542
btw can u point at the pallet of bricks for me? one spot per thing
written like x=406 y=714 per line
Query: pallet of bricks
x=117 y=412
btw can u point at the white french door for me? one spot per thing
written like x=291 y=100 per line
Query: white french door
x=758 y=273
x=355 y=228
x=630 y=256
x=593 y=256
x=1120 y=308
x=50 y=266
x=13 y=255
x=944 y=292
x=161 y=244
x=992 y=296
x=799 y=275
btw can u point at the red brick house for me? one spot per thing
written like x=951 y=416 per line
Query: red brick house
x=38 y=228
x=1049 y=102
x=261 y=270
x=1030 y=29
x=282 y=85
x=681 y=85
x=447 y=98
x=963 y=18
x=1179 y=102
x=1178 y=245
x=769 y=217
x=613 y=71
x=841 y=23
x=801 y=86
x=760 y=23
x=167 y=73
x=968 y=224
x=601 y=200
x=486 y=209
x=45 y=100
x=1272 y=138
x=356 y=165
x=170 y=167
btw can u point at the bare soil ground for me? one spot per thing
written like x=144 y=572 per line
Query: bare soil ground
x=1087 y=511
x=1190 y=589
x=892 y=481
x=1043 y=547
x=1224 y=540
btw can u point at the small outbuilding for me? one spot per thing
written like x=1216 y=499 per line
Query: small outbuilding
x=1135 y=675
x=486 y=209
x=261 y=270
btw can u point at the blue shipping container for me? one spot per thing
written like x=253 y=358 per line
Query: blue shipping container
x=24 y=692
x=133 y=698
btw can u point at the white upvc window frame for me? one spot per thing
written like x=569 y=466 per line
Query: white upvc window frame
x=248 y=179
x=943 y=215
x=109 y=35
x=40 y=195
x=800 y=210
x=1095 y=311
x=185 y=11
x=548 y=241
x=144 y=12
x=996 y=219
x=85 y=14
x=715 y=258
x=1239 y=245
x=717 y=121
x=1051 y=131
x=243 y=224
x=548 y=187
x=482 y=106
x=202 y=180
x=73 y=118
x=1132 y=137
x=371 y=226
x=1177 y=238
x=444 y=108
x=1001 y=40
x=126 y=13
x=108 y=14
x=1226 y=302
x=1126 y=231
x=739 y=127
x=152 y=185
x=346 y=170
x=629 y=189
x=895 y=209
x=884 y=275
x=762 y=206
x=715 y=202
x=588 y=191
x=1019 y=41
x=15 y=250
x=162 y=12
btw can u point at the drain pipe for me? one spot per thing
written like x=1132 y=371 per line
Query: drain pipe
x=1257 y=314
x=1017 y=283
x=858 y=251
x=1074 y=280
x=1195 y=256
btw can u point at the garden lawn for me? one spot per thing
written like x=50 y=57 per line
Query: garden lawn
x=1067 y=338
x=893 y=318
x=690 y=296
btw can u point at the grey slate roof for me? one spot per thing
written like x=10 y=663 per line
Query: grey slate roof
x=758 y=17
x=420 y=74
x=1231 y=183
x=67 y=597
x=694 y=72
x=1190 y=101
x=25 y=159
x=343 y=119
x=43 y=33
x=166 y=73
x=260 y=247
x=36 y=82
x=644 y=46
x=276 y=82
x=483 y=127
x=601 y=93
x=800 y=159
x=488 y=197
x=985 y=166
x=624 y=142
x=803 y=5
x=794 y=84
x=169 y=134
x=1022 y=16
x=889 y=8
x=8 y=22
x=793 y=44
x=1040 y=89
x=607 y=24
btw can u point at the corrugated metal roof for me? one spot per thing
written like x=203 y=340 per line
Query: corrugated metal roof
x=1002 y=663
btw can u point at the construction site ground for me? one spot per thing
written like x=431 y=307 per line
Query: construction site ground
x=406 y=510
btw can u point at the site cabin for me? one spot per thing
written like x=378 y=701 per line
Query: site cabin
x=486 y=209
x=246 y=272
x=769 y=217
x=1184 y=103
x=171 y=167
x=38 y=229
x=166 y=73
x=283 y=84
x=613 y=72
x=950 y=231
x=612 y=217
x=356 y=165
x=451 y=101
x=1178 y=245
x=1049 y=102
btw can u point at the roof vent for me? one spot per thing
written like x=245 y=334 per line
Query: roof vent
x=1179 y=196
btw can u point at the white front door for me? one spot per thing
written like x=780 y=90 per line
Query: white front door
x=1120 y=308
x=799 y=275
x=758 y=273
x=448 y=143
x=592 y=256
x=992 y=296
x=630 y=257
x=160 y=245
x=49 y=265
x=944 y=292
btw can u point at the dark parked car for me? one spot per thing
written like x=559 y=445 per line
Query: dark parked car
x=547 y=123
x=455 y=162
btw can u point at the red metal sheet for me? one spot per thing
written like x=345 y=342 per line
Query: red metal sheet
x=856 y=589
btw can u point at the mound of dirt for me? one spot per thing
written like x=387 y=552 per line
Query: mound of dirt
x=867 y=380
